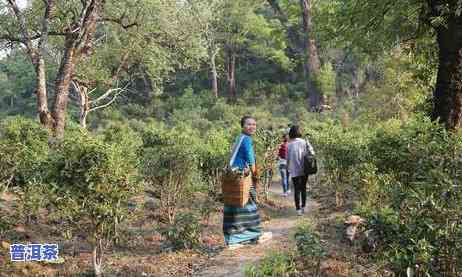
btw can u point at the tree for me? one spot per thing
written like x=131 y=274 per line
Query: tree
x=208 y=14
x=16 y=84
x=87 y=105
x=245 y=30
x=92 y=183
x=312 y=64
x=376 y=26
x=302 y=43
x=157 y=35
x=75 y=33
x=448 y=92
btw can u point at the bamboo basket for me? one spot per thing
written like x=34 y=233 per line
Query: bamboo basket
x=236 y=189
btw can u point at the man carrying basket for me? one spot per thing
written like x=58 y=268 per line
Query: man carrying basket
x=241 y=220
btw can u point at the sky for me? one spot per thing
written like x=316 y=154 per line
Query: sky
x=22 y=4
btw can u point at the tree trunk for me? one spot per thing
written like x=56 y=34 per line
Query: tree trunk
x=148 y=88
x=84 y=105
x=41 y=91
x=311 y=61
x=448 y=92
x=63 y=79
x=213 y=69
x=231 y=74
x=294 y=46
x=75 y=45
x=98 y=257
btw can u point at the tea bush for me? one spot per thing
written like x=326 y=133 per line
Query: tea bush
x=23 y=150
x=92 y=182
x=308 y=246
x=170 y=167
x=214 y=156
x=274 y=264
x=419 y=170
x=185 y=232
x=405 y=178
x=343 y=152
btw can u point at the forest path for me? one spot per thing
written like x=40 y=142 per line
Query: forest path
x=232 y=263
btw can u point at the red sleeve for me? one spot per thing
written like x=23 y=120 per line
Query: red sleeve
x=283 y=151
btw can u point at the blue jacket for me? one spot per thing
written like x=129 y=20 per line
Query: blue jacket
x=245 y=156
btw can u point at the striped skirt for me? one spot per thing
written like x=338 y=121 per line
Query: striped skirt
x=242 y=225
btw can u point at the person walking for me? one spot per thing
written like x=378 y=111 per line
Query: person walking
x=282 y=164
x=296 y=150
x=242 y=225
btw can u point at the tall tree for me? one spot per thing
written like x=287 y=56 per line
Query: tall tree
x=93 y=37
x=244 y=29
x=302 y=43
x=312 y=64
x=448 y=91
x=209 y=15
x=379 y=25
x=77 y=34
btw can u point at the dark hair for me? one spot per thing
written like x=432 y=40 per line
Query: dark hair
x=295 y=132
x=244 y=119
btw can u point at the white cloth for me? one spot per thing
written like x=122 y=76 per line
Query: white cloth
x=282 y=162
x=235 y=149
x=295 y=153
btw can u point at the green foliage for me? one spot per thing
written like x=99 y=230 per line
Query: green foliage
x=307 y=241
x=398 y=91
x=24 y=149
x=93 y=182
x=16 y=85
x=406 y=181
x=308 y=245
x=343 y=151
x=185 y=232
x=170 y=167
x=214 y=156
x=32 y=197
x=325 y=80
x=372 y=25
x=424 y=162
x=274 y=264
x=126 y=138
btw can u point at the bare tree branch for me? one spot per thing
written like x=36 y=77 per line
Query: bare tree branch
x=119 y=21
x=45 y=25
x=108 y=103
x=23 y=27
x=107 y=93
x=34 y=37
x=12 y=38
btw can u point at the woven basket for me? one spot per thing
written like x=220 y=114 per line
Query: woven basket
x=236 y=189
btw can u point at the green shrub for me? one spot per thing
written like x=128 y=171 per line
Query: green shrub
x=405 y=178
x=32 y=196
x=342 y=152
x=273 y=265
x=23 y=150
x=185 y=232
x=214 y=156
x=170 y=167
x=126 y=138
x=92 y=182
x=419 y=172
x=309 y=246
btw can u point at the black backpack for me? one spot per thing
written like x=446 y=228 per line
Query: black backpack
x=310 y=165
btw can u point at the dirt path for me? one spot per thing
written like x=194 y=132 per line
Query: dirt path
x=232 y=263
